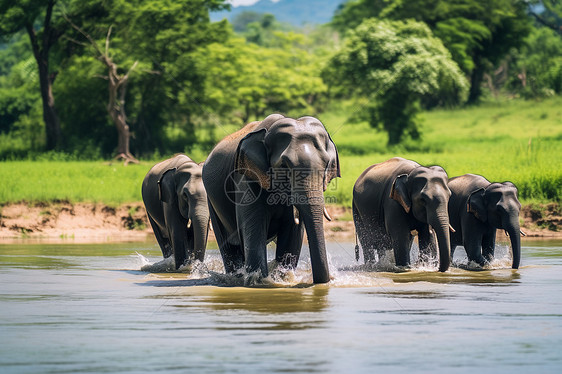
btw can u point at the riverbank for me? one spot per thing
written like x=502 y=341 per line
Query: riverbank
x=90 y=222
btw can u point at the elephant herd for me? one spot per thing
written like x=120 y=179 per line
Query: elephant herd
x=266 y=183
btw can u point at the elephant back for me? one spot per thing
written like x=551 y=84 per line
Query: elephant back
x=378 y=176
x=155 y=174
x=373 y=186
x=175 y=162
x=461 y=187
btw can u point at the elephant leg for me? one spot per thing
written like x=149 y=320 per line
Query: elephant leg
x=252 y=221
x=472 y=246
x=489 y=244
x=190 y=238
x=252 y=229
x=427 y=244
x=289 y=244
x=371 y=236
x=177 y=232
x=232 y=255
x=164 y=243
x=401 y=243
x=402 y=246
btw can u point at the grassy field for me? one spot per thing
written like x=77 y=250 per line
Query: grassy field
x=519 y=141
x=75 y=181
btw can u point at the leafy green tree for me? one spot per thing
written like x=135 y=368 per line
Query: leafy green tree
x=478 y=33
x=539 y=64
x=241 y=21
x=117 y=87
x=165 y=36
x=265 y=30
x=20 y=102
x=250 y=81
x=394 y=65
x=42 y=22
x=165 y=96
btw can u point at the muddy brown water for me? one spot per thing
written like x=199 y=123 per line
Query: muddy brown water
x=89 y=308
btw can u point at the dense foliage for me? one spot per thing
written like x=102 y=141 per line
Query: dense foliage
x=396 y=65
x=477 y=33
x=195 y=80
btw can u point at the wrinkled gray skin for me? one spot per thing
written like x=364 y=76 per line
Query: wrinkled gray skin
x=244 y=211
x=394 y=199
x=175 y=198
x=476 y=209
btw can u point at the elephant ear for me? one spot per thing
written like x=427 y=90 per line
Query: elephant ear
x=252 y=159
x=399 y=192
x=336 y=169
x=477 y=205
x=166 y=192
x=333 y=169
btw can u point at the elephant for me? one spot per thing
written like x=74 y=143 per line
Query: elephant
x=478 y=208
x=176 y=205
x=265 y=182
x=395 y=199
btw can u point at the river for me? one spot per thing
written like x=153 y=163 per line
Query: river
x=68 y=308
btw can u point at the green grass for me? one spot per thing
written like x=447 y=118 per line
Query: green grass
x=75 y=181
x=519 y=141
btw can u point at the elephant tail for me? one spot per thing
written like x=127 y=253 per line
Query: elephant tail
x=356 y=246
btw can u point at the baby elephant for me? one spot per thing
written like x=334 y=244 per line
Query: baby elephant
x=176 y=205
x=476 y=209
x=397 y=198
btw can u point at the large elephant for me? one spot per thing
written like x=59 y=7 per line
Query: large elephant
x=265 y=182
x=476 y=209
x=396 y=198
x=176 y=205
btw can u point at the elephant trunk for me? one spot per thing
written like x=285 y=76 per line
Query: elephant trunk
x=439 y=221
x=200 y=227
x=311 y=209
x=514 y=232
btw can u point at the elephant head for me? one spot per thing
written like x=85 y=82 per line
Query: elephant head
x=498 y=206
x=424 y=193
x=294 y=160
x=186 y=187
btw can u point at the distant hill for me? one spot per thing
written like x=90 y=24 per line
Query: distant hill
x=296 y=12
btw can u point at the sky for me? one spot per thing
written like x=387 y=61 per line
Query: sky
x=236 y=3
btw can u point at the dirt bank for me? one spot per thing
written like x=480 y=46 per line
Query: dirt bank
x=89 y=222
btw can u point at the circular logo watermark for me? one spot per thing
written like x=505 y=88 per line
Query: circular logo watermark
x=242 y=191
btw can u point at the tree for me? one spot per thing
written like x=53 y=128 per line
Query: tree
x=21 y=126
x=395 y=65
x=478 y=33
x=242 y=20
x=117 y=84
x=539 y=64
x=251 y=81
x=15 y=16
x=165 y=37
x=42 y=22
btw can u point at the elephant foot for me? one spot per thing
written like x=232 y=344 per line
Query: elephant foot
x=402 y=268
x=254 y=279
x=477 y=265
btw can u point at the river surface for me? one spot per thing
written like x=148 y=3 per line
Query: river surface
x=68 y=308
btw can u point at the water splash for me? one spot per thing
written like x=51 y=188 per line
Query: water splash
x=344 y=271
x=502 y=260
